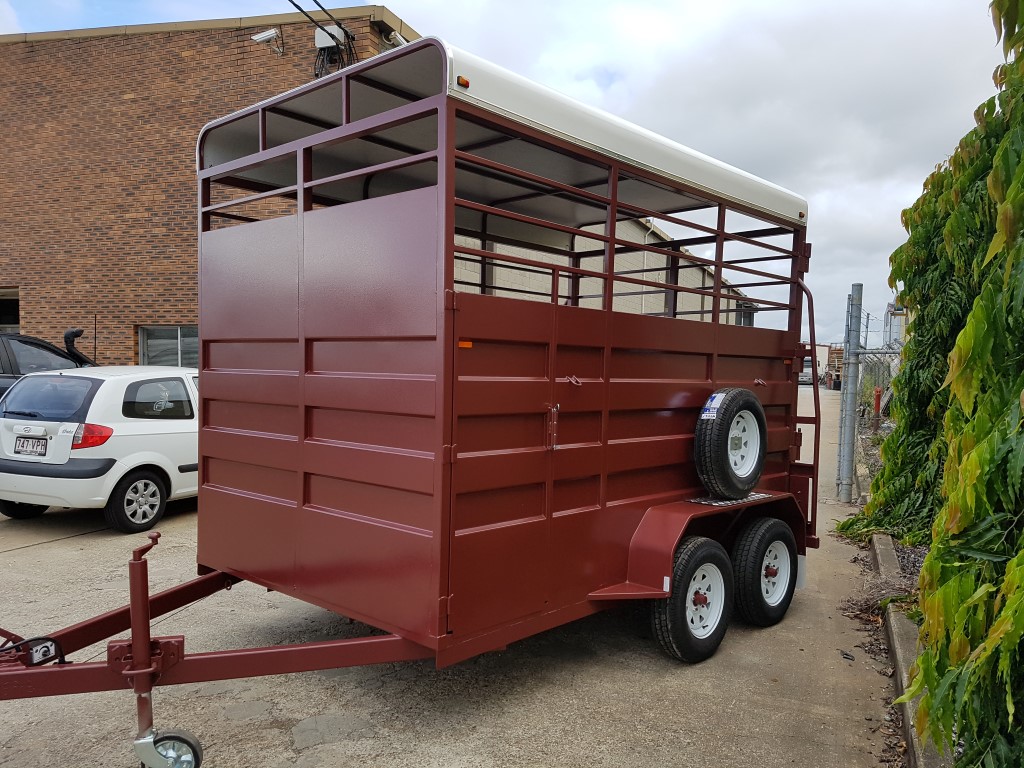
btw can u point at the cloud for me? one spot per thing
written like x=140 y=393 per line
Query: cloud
x=8 y=19
x=850 y=104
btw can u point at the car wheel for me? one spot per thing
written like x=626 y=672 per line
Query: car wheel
x=137 y=503
x=730 y=442
x=18 y=511
x=691 y=622
x=765 y=566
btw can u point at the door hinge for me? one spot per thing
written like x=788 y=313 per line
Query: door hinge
x=448 y=454
x=449 y=299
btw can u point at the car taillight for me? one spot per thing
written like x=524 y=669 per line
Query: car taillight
x=90 y=435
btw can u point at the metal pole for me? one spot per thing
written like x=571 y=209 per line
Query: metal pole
x=842 y=412
x=851 y=380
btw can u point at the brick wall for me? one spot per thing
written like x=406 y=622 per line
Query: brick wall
x=97 y=175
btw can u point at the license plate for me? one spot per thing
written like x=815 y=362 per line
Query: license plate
x=30 y=446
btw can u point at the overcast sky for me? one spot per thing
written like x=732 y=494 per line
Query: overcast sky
x=848 y=103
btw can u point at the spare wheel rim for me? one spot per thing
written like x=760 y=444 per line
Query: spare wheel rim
x=775 y=571
x=705 y=600
x=744 y=444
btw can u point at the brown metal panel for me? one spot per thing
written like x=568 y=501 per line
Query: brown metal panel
x=402 y=431
x=380 y=394
x=379 y=356
x=655 y=395
x=232 y=415
x=353 y=253
x=251 y=447
x=477 y=397
x=496 y=507
x=499 y=469
x=373 y=502
x=368 y=567
x=378 y=465
x=253 y=356
x=263 y=481
x=251 y=387
x=662 y=333
x=248 y=268
x=650 y=452
x=254 y=535
x=499 y=574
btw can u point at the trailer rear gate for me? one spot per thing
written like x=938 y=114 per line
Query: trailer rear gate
x=426 y=403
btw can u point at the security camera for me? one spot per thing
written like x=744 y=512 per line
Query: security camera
x=266 y=36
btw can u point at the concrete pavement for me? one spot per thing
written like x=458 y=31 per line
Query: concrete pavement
x=588 y=694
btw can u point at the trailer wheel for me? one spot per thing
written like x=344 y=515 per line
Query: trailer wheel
x=765 y=563
x=691 y=622
x=730 y=443
x=16 y=511
x=137 y=503
x=181 y=748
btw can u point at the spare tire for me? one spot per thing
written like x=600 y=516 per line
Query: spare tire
x=730 y=443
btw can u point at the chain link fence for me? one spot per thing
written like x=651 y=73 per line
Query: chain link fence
x=878 y=367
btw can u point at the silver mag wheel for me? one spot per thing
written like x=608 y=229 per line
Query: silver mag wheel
x=729 y=443
x=137 y=503
x=765 y=567
x=691 y=622
x=180 y=748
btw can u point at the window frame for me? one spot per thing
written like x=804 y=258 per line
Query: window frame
x=134 y=386
x=141 y=336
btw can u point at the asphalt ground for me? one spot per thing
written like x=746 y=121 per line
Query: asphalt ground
x=593 y=693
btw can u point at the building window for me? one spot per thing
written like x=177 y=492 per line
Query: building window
x=169 y=345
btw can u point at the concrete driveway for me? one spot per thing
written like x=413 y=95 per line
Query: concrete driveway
x=593 y=693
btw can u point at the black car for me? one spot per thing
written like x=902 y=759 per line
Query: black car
x=20 y=354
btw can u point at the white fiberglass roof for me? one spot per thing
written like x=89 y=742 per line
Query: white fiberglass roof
x=431 y=66
x=517 y=97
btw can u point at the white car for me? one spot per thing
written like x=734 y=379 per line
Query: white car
x=124 y=438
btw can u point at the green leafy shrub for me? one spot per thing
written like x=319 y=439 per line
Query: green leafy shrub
x=954 y=465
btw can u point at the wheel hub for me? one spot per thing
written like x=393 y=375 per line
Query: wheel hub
x=699 y=599
x=744 y=444
x=776 y=569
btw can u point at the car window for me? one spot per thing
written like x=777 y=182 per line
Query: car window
x=31 y=358
x=157 y=399
x=50 y=398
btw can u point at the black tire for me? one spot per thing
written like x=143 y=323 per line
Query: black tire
x=181 y=747
x=16 y=511
x=765 y=566
x=685 y=629
x=137 y=503
x=729 y=443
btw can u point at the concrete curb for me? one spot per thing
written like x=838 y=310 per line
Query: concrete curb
x=902 y=635
x=883 y=553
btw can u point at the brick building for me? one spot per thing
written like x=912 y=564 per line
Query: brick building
x=97 y=177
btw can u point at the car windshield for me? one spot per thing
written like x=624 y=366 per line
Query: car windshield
x=49 y=398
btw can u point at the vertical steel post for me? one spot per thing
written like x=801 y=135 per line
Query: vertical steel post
x=851 y=381
x=842 y=412
x=142 y=660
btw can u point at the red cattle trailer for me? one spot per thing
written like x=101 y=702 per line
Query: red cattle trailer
x=476 y=361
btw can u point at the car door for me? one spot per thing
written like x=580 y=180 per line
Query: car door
x=160 y=414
